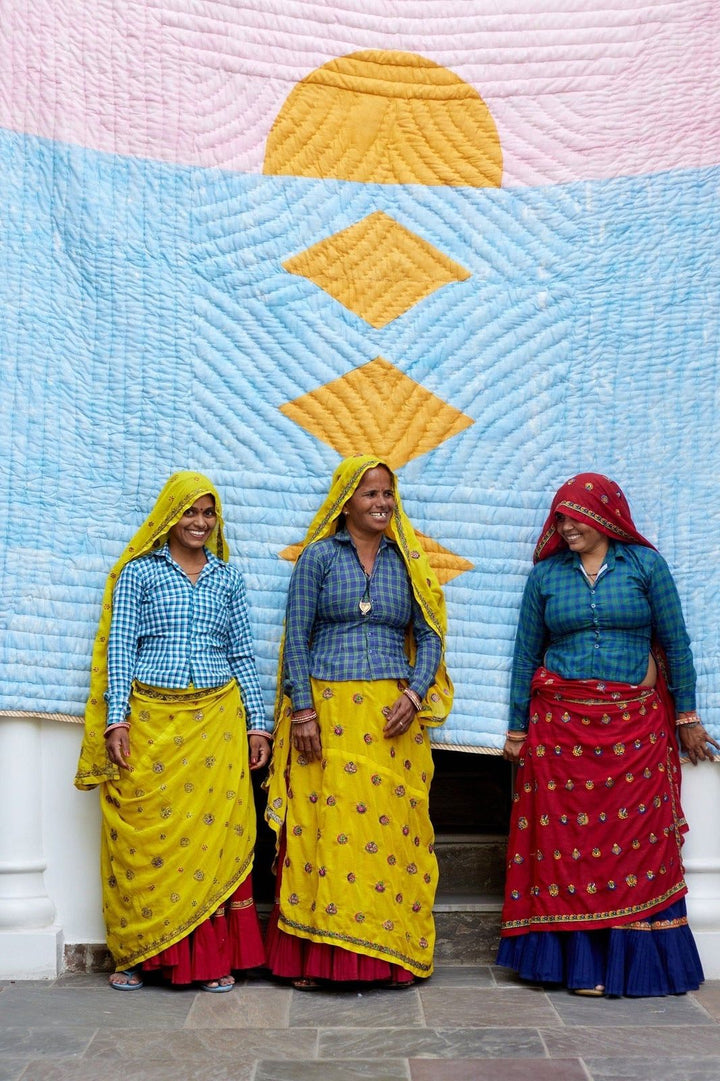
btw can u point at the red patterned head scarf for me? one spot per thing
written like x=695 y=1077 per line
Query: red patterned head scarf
x=595 y=500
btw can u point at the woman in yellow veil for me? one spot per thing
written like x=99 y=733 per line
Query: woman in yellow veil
x=361 y=678
x=174 y=723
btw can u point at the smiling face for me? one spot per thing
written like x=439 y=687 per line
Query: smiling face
x=191 y=532
x=581 y=538
x=370 y=507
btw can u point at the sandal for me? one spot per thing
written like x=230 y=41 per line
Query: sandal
x=306 y=984
x=590 y=992
x=217 y=987
x=132 y=981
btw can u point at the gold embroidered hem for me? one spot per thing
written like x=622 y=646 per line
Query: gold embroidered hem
x=597 y=919
x=360 y=869
x=656 y=925
x=179 y=829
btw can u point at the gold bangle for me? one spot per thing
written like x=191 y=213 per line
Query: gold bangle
x=414 y=698
x=516 y=737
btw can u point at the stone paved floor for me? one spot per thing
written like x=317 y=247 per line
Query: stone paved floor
x=468 y=1023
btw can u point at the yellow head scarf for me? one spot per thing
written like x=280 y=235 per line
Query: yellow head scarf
x=179 y=493
x=423 y=579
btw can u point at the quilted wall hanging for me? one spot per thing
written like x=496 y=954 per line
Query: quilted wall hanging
x=478 y=239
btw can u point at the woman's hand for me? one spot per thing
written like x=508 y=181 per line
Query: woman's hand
x=117 y=743
x=513 y=749
x=399 y=717
x=259 y=750
x=694 y=742
x=306 y=735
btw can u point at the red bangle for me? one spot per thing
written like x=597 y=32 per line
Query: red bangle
x=118 y=724
x=310 y=715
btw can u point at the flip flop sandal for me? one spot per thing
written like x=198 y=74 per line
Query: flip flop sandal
x=130 y=974
x=218 y=988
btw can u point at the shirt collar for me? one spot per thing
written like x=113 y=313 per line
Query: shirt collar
x=343 y=537
x=615 y=551
x=164 y=553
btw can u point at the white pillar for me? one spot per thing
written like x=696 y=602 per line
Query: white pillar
x=701 y=855
x=30 y=942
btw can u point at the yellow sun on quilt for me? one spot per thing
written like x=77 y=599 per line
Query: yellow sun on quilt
x=386 y=117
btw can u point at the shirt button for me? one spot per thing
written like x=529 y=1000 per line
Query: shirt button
x=597 y=645
x=593 y=606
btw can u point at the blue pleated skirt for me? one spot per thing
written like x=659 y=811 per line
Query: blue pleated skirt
x=658 y=960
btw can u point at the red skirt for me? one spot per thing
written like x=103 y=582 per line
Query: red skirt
x=596 y=826
x=229 y=940
x=291 y=957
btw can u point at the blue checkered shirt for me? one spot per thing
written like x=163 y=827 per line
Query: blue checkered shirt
x=601 y=631
x=165 y=632
x=326 y=635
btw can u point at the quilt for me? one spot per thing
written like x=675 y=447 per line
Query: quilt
x=477 y=238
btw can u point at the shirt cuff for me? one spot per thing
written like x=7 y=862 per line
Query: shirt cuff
x=117 y=711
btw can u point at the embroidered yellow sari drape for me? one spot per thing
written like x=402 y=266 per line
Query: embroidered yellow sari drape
x=179 y=826
x=360 y=870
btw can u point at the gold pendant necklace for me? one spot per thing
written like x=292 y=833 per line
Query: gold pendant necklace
x=365 y=604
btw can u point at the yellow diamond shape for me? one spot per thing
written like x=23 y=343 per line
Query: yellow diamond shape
x=445 y=563
x=376 y=409
x=377 y=268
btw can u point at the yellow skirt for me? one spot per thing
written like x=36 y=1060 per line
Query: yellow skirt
x=360 y=870
x=179 y=830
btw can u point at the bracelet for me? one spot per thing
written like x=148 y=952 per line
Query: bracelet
x=310 y=715
x=689 y=724
x=118 y=724
x=688 y=718
x=414 y=698
x=516 y=737
x=261 y=732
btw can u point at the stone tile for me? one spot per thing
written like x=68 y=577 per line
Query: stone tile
x=30 y=1007
x=646 y=1068
x=202 y=1069
x=365 y=1009
x=454 y=1043
x=505 y=977
x=626 y=1042
x=88 y=957
x=256 y=1043
x=452 y=1006
x=11 y=1069
x=245 y=1007
x=357 y=1070
x=671 y=1010
x=33 y=1042
x=467 y=937
x=709 y=998
x=497 y=1069
x=144 y=1044
x=460 y=976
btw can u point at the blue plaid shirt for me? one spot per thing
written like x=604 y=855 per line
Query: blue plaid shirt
x=165 y=632
x=601 y=631
x=326 y=635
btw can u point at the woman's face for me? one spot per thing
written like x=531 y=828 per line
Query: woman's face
x=581 y=538
x=197 y=523
x=369 y=509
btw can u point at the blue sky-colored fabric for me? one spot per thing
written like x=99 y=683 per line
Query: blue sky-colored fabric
x=147 y=325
